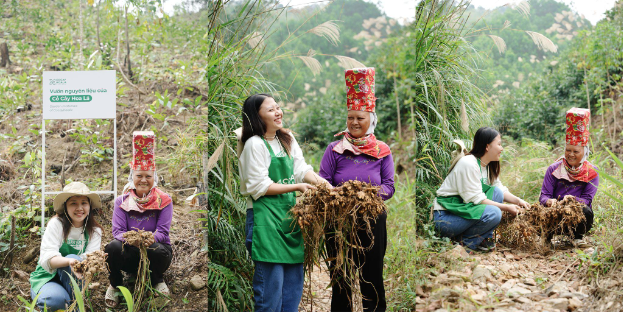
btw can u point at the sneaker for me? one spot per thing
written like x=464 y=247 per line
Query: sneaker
x=487 y=245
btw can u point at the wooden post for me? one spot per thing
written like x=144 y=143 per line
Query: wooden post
x=12 y=244
x=4 y=55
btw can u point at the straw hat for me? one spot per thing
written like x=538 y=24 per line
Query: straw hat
x=75 y=189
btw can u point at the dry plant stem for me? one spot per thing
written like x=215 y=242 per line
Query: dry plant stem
x=531 y=228
x=128 y=80
x=342 y=212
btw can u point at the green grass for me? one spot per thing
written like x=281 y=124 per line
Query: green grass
x=410 y=260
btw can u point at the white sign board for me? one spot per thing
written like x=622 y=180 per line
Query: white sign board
x=79 y=94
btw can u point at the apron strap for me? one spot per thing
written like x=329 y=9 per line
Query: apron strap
x=270 y=148
x=84 y=247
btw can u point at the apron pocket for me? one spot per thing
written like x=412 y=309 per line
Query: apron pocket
x=290 y=226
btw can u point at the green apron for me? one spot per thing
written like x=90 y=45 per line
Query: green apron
x=40 y=276
x=456 y=205
x=276 y=236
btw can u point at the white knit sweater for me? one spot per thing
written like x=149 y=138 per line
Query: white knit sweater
x=465 y=180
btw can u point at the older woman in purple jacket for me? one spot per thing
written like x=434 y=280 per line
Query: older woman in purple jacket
x=572 y=174
x=360 y=156
x=143 y=206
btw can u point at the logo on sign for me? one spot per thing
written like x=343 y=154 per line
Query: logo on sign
x=58 y=81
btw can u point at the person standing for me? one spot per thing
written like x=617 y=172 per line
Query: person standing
x=272 y=168
x=358 y=155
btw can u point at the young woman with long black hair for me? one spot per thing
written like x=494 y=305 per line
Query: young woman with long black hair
x=469 y=203
x=272 y=168
x=70 y=235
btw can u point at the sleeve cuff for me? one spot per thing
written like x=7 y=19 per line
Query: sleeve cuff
x=263 y=187
x=477 y=199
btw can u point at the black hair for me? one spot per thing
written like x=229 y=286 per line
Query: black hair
x=253 y=124
x=90 y=226
x=483 y=137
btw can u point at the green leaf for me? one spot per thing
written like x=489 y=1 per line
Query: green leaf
x=77 y=293
x=128 y=296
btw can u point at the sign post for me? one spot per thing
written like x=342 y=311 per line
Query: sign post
x=78 y=95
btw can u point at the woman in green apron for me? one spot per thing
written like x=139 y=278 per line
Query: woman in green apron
x=69 y=236
x=272 y=168
x=470 y=200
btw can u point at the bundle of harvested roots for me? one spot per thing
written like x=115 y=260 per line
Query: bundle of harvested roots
x=139 y=238
x=95 y=263
x=340 y=213
x=531 y=228
x=136 y=238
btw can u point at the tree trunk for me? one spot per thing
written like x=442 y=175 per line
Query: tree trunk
x=396 y=99
x=4 y=55
x=127 y=62
x=97 y=27
x=587 y=88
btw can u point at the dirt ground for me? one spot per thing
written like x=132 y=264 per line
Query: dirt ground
x=502 y=281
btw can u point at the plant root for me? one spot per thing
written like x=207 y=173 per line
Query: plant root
x=531 y=229
x=339 y=213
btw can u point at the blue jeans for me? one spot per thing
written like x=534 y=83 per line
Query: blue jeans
x=470 y=232
x=58 y=292
x=276 y=286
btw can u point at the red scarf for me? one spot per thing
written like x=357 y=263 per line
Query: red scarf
x=583 y=173
x=155 y=200
x=367 y=144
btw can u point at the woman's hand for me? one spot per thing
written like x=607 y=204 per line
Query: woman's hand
x=569 y=196
x=523 y=204
x=302 y=187
x=71 y=263
x=550 y=202
x=150 y=241
x=512 y=209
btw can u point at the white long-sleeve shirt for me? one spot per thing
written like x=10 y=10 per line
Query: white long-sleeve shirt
x=53 y=239
x=465 y=180
x=254 y=162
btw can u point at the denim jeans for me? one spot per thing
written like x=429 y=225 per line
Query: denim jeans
x=276 y=286
x=470 y=232
x=58 y=292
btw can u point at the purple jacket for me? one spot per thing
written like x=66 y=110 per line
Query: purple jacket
x=558 y=188
x=157 y=221
x=339 y=168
